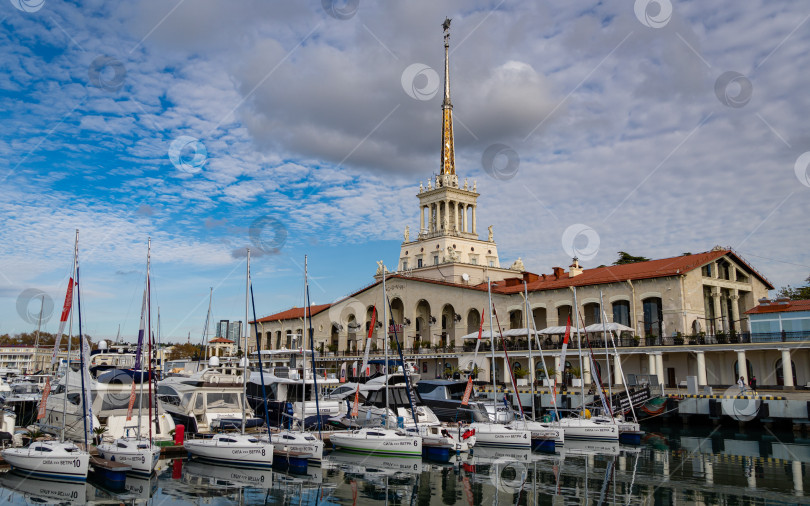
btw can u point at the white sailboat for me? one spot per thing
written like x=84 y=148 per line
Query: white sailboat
x=139 y=452
x=61 y=460
x=380 y=441
x=516 y=435
x=583 y=428
x=235 y=449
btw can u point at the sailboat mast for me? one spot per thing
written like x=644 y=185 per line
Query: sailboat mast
x=579 y=345
x=39 y=326
x=529 y=340
x=244 y=348
x=304 y=329
x=492 y=343
x=208 y=319
x=149 y=328
x=385 y=347
x=603 y=317
x=70 y=334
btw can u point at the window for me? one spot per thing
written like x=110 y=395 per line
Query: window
x=653 y=317
x=492 y=263
x=404 y=265
x=198 y=403
x=418 y=262
x=435 y=259
x=621 y=312
x=473 y=259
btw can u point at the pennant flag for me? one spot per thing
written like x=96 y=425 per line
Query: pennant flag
x=356 y=406
x=467 y=392
x=131 y=401
x=44 y=399
x=343 y=373
x=366 y=370
x=65 y=312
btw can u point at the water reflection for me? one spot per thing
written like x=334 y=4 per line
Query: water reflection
x=671 y=467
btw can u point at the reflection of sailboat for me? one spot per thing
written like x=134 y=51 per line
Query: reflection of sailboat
x=233 y=476
x=368 y=466
x=590 y=448
x=141 y=487
x=44 y=491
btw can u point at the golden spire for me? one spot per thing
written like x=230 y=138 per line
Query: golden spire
x=448 y=150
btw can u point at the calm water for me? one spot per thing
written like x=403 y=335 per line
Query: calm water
x=669 y=468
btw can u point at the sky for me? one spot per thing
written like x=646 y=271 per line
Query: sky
x=655 y=127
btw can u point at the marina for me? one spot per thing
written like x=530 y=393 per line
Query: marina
x=670 y=467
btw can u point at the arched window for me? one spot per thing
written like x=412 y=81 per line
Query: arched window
x=592 y=313
x=621 y=312
x=563 y=313
x=653 y=317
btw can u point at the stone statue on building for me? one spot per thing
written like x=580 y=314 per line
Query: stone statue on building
x=452 y=254
x=490 y=237
x=380 y=268
x=407 y=233
x=421 y=188
x=466 y=184
x=430 y=184
x=518 y=265
x=475 y=186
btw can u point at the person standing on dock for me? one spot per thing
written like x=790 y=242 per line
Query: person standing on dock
x=741 y=384
x=753 y=382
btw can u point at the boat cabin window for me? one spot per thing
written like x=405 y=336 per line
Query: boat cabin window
x=74 y=399
x=199 y=403
x=253 y=440
x=287 y=437
x=41 y=449
x=122 y=445
x=119 y=400
x=167 y=395
x=215 y=400
x=143 y=446
x=227 y=440
x=375 y=434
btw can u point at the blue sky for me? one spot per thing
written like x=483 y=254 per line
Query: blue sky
x=660 y=130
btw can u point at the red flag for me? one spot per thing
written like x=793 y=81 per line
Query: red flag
x=44 y=399
x=467 y=392
x=65 y=312
x=356 y=406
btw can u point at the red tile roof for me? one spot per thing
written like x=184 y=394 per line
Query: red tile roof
x=664 y=267
x=221 y=340
x=776 y=307
x=293 y=314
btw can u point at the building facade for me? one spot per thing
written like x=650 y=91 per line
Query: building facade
x=688 y=313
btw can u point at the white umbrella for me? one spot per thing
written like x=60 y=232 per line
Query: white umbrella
x=560 y=329
x=484 y=335
x=611 y=327
x=519 y=332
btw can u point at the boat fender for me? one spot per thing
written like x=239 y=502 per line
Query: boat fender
x=587 y=414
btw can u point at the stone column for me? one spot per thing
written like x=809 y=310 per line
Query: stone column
x=708 y=468
x=464 y=217
x=421 y=219
x=651 y=358
x=718 y=312
x=787 y=368
x=659 y=368
x=617 y=369
x=742 y=369
x=474 y=229
x=701 y=369
x=735 y=311
x=586 y=370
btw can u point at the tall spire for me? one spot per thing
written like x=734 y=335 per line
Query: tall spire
x=448 y=160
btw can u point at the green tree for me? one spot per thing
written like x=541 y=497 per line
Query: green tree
x=185 y=351
x=800 y=293
x=627 y=258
